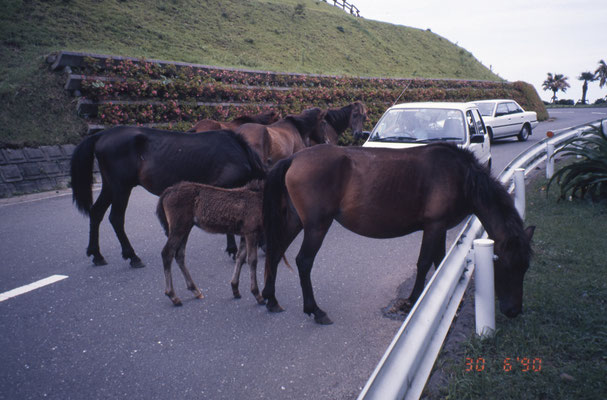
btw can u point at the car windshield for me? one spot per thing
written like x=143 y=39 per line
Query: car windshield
x=486 y=109
x=419 y=125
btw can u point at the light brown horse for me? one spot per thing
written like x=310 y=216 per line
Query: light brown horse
x=286 y=136
x=215 y=210
x=337 y=120
x=264 y=118
x=387 y=193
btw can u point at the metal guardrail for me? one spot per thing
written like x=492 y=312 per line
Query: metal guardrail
x=404 y=369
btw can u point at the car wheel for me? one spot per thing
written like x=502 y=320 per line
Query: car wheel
x=524 y=135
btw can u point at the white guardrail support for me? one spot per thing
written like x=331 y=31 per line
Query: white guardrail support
x=519 y=191
x=484 y=288
x=405 y=367
x=549 y=160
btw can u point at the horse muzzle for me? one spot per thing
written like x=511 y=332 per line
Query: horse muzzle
x=510 y=310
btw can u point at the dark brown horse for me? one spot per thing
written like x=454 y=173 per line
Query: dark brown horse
x=154 y=159
x=264 y=118
x=337 y=120
x=286 y=136
x=386 y=193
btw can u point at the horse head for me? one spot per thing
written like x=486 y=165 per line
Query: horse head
x=309 y=125
x=358 y=116
x=512 y=261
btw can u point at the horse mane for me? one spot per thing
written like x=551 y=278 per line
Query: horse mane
x=339 y=118
x=306 y=120
x=482 y=190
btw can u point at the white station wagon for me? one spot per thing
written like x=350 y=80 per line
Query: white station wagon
x=505 y=118
x=416 y=124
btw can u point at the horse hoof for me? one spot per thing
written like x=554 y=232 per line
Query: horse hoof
x=200 y=296
x=405 y=306
x=323 y=320
x=177 y=303
x=276 y=308
x=99 y=261
x=137 y=263
x=260 y=300
x=237 y=295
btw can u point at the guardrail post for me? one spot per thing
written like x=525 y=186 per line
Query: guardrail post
x=484 y=290
x=549 y=160
x=519 y=191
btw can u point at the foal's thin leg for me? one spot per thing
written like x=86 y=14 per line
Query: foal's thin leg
x=240 y=258
x=252 y=260
x=119 y=203
x=168 y=252
x=180 y=258
x=312 y=241
x=96 y=216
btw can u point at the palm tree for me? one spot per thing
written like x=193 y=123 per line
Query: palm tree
x=586 y=77
x=601 y=73
x=555 y=83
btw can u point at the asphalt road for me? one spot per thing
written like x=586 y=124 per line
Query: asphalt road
x=109 y=332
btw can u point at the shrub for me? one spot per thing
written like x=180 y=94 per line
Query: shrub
x=588 y=176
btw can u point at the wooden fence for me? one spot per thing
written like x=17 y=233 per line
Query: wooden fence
x=346 y=6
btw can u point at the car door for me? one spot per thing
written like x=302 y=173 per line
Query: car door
x=502 y=121
x=475 y=126
x=517 y=117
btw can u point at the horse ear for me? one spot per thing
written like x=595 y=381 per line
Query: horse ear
x=529 y=231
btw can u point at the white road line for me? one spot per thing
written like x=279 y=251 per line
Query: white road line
x=32 y=286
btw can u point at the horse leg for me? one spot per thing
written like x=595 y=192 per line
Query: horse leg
x=312 y=241
x=180 y=258
x=251 y=242
x=96 y=216
x=168 y=252
x=432 y=242
x=240 y=258
x=231 y=248
x=274 y=252
x=119 y=203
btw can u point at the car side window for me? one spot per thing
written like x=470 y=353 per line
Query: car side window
x=480 y=125
x=471 y=123
x=502 y=109
x=513 y=108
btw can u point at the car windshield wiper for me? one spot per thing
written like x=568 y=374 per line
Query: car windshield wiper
x=395 y=139
x=441 y=139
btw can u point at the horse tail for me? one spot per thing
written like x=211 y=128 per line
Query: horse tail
x=274 y=223
x=258 y=170
x=161 y=214
x=81 y=170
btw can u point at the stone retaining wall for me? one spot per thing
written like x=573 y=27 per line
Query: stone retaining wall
x=31 y=170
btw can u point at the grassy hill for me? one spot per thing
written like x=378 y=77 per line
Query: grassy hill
x=305 y=36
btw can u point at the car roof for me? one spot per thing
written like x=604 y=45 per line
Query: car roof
x=437 y=105
x=490 y=101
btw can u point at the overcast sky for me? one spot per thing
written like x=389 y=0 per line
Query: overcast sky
x=519 y=39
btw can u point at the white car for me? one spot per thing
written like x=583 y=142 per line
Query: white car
x=505 y=118
x=417 y=124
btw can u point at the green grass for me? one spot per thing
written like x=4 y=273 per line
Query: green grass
x=565 y=319
x=304 y=36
